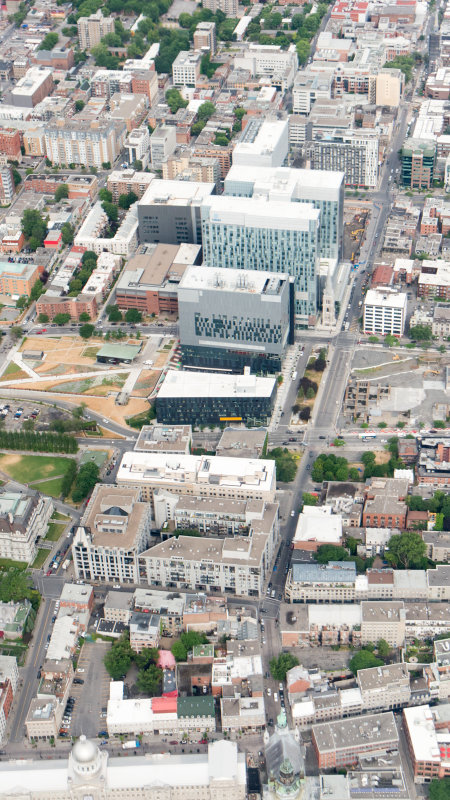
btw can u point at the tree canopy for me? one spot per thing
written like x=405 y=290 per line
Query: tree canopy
x=279 y=666
x=439 y=789
x=364 y=659
x=406 y=550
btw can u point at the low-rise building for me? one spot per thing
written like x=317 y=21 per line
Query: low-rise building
x=333 y=582
x=9 y=681
x=343 y=743
x=113 y=531
x=43 y=719
x=197 y=398
x=242 y=714
x=118 y=607
x=13 y=617
x=145 y=630
x=167 y=606
x=24 y=518
x=207 y=476
x=241 y=443
x=150 y=280
x=384 y=688
x=317 y=525
x=428 y=745
x=441 y=321
x=128 y=180
x=383 y=620
x=175 y=439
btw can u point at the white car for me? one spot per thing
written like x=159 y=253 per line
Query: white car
x=269 y=691
x=292 y=513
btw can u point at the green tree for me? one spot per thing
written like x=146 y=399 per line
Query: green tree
x=422 y=333
x=279 y=666
x=22 y=302
x=390 y=341
x=67 y=233
x=16 y=332
x=179 y=651
x=364 y=659
x=404 y=63
x=61 y=319
x=114 y=314
x=34 y=227
x=86 y=479
x=286 y=465
x=138 y=166
x=84 y=317
x=149 y=680
x=62 y=192
x=111 y=211
x=87 y=330
x=383 y=648
x=206 y=110
x=42 y=318
x=49 y=41
x=147 y=656
x=105 y=195
x=330 y=552
x=118 y=659
x=309 y=499
x=439 y=789
x=133 y=315
x=79 y=105
x=127 y=200
x=406 y=549
x=17 y=178
x=174 y=100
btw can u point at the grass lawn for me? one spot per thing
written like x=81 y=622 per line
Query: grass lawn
x=58 y=515
x=97 y=456
x=40 y=559
x=90 y=352
x=52 y=487
x=54 y=531
x=7 y=563
x=27 y=469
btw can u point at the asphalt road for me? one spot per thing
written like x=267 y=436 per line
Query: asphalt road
x=30 y=681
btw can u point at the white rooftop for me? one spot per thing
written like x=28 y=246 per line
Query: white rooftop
x=318 y=524
x=175 y=192
x=289 y=177
x=385 y=298
x=257 y=211
x=422 y=733
x=249 y=281
x=213 y=384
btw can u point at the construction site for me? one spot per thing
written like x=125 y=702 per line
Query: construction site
x=354 y=231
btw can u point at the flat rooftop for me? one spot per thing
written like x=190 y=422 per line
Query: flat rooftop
x=422 y=733
x=246 y=281
x=373 y=731
x=379 y=611
x=160 y=263
x=245 y=550
x=380 y=677
x=114 y=516
x=164 y=439
x=242 y=442
x=257 y=210
x=161 y=468
x=301 y=179
x=173 y=193
x=378 y=297
x=213 y=384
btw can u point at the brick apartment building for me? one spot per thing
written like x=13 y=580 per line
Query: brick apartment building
x=341 y=743
x=78 y=185
x=10 y=144
x=66 y=305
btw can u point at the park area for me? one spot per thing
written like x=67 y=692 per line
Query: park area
x=44 y=473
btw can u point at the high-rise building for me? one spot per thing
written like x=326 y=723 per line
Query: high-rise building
x=388 y=87
x=355 y=153
x=418 y=159
x=137 y=146
x=163 y=142
x=385 y=312
x=93 y=28
x=6 y=186
x=70 y=142
x=324 y=190
x=230 y=319
x=205 y=37
x=10 y=143
x=186 y=68
x=268 y=235
x=229 y=7
x=169 y=211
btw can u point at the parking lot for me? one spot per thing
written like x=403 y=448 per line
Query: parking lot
x=91 y=696
x=16 y=413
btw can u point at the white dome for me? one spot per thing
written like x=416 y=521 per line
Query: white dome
x=84 y=751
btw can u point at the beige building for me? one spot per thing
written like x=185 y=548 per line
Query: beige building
x=383 y=621
x=90 y=772
x=118 y=607
x=242 y=714
x=34 y=141
x=384 y=688
x=93 y=28
x=43 y=719
x=205 y=37
x=113 y=531
x=229 y=7
x=438 y=545
x=192 y=167
x=24 y=517
x=128 y=180
x=89 y=144
x=238 y=565
x=389 y=87
x=441 y=321
x=206 y=476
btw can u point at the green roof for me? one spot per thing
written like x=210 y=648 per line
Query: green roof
x=124 y=352
x=201 y=706
x=425 y=146
x=203 y=650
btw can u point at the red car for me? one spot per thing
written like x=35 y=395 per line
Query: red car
x=173 y=742
x=49 y=572
x=203 y=741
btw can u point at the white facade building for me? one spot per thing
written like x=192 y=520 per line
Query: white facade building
x=137 y=146
x=23 y=519
x=385 y=312
x=163 y=142
x=186 y=68
x=262 y=144
x=269 y=60
x=125 y=241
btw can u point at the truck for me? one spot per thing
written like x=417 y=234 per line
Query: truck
x=131 y=744
x=66 y=563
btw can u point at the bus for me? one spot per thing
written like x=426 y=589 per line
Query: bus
x=366 y=436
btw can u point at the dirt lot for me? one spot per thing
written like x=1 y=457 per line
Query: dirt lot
x=63 y=355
